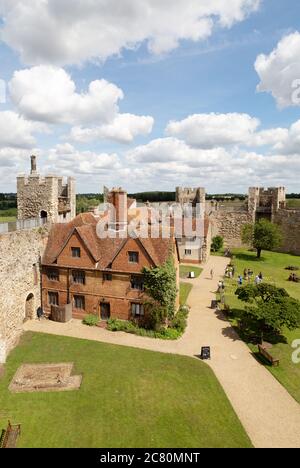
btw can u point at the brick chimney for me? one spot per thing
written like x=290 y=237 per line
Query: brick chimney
x=118 y=198
x=33 y=165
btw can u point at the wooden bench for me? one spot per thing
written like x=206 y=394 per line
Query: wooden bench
x=273 y=361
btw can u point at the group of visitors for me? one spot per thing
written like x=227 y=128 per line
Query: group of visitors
x=230 y=271
x=248 y=274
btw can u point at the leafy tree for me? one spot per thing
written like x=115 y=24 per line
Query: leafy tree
x=269 y=309
x=160 y=285
x=217 y=243
x=263 y=235
x=260 y=293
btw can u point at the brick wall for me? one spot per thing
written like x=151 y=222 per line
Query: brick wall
x=117 y=293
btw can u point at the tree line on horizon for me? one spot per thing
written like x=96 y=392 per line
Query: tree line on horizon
x=86 y=201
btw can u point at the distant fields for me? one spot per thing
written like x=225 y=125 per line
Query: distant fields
x=293 y=203
x=9 y=215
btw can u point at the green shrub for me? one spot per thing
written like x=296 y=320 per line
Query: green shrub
x=217 y=243
x=169 y=334
x=91 y=320
x=179 y=322
x=121 y=325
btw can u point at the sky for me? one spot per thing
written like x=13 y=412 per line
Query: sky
x=150 y=95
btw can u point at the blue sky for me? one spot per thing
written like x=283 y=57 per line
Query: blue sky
x=198 y=77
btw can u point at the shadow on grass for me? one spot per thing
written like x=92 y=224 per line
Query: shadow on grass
x=220 y=315
x=250 y=335
x=249 y=258
x=261 y=359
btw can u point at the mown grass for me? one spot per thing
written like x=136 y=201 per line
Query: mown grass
x=186 y=269
x=272 y=265
x=129 y=398
x=185 y=289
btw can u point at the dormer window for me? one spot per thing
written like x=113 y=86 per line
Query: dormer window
x=75 y=252
x=133 y=257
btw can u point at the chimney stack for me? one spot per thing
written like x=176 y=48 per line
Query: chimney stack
x=33 y=165
x=118 y=198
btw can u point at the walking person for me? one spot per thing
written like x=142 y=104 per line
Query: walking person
x=211 y=274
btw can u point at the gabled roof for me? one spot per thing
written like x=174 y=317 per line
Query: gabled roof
x=103 y=251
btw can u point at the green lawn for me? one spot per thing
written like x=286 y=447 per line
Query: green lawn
x=185 y=289
x=128 y=398
x=272 y=265
x=185 y=270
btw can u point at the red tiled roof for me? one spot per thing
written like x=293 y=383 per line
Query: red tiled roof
x=103 y=251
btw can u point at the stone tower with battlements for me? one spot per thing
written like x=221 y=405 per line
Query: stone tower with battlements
x=190 y=195
x=45 y=197
x=265 y=203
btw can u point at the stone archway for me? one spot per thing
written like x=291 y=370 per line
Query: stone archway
x=44 y=214
x=29 y=308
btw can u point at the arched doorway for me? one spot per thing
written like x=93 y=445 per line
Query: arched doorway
x=29 y=308
x=44 y=214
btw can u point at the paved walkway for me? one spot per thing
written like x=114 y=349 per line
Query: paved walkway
x=269 y=414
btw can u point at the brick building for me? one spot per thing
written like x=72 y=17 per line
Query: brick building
x=100 y=276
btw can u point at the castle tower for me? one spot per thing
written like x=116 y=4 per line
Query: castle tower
x=45 y=197
x=264 y=203
x=190 y=195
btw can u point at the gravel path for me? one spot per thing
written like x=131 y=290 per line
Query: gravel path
x=269 y=414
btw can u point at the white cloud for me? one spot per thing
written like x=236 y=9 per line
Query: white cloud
x=16 y=132
x=211 y=130
x=13 y=159
x=279 y=72
x=72 y=31
x=48 y=94
x=215 y=130
x=67 y=160
x=123 y=129
x=167 y=150
x=174 y=163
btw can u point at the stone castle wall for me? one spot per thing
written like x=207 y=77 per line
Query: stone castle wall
x=289 y=223
x=228 y=224
x=20 y=254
